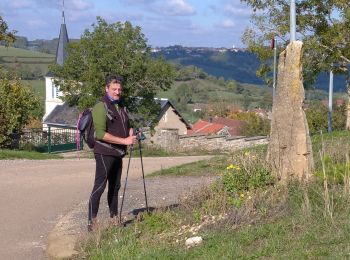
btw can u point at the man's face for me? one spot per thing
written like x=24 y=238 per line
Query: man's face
x=114 y=90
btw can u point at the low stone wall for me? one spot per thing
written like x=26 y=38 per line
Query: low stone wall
x=220 y=142
x=169 y=139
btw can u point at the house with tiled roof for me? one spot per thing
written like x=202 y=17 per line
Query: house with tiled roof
x=217 y=126
x=234 y=127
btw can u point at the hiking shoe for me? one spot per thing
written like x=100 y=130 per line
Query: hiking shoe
x=92 y=225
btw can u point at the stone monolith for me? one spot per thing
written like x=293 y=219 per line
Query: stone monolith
x=289 y=150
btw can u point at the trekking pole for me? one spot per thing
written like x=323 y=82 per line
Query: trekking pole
x=126 y=181
x=143 y=176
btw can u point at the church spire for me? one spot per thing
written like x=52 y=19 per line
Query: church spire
x=61 y=53
x=63 y=18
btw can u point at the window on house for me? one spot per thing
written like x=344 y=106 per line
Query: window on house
x=56 y=90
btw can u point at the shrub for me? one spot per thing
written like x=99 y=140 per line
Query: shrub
x=317 y=117
x=237 y=180
x=254 y=124
x=249 y=172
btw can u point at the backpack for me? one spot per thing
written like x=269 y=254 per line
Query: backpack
x=85 y=126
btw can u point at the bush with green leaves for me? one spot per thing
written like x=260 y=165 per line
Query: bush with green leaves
x=18 y=106
x=249 y=171
x=317 y=117
x=237 y=180
x=254 y=124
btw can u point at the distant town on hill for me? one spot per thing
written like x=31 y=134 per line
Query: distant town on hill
x=230 y=63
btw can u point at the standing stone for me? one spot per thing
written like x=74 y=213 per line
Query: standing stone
x=290 y=151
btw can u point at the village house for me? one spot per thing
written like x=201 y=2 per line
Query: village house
x=217 y=126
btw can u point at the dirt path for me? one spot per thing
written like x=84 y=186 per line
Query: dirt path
x=34 y=195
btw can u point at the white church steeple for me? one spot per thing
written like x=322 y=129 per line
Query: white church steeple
x=52 y=91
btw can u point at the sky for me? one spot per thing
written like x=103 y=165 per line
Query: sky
x=191 y=23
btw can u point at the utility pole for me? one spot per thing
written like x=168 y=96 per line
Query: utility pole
x=292 y=20
x=330 y=101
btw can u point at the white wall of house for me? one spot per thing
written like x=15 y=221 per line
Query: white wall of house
x=51 y=96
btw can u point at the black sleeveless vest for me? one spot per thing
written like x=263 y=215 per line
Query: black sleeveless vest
x=117 y=126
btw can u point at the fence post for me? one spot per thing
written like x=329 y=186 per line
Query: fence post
x=49 y=140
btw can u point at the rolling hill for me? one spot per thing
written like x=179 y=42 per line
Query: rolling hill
x=237 y=64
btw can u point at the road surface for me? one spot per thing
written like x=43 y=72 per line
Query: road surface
x=35 y=194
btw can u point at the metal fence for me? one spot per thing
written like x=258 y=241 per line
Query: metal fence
x=48 y=140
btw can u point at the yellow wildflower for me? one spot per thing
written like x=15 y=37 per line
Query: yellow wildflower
x=231 y=166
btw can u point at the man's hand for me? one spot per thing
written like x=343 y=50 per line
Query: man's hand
x=130 y=140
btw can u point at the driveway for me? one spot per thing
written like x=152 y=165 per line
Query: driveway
x=34 y=195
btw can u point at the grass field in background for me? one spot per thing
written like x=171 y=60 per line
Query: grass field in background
x=38 y=87
x=25 y=59
x=17 y=52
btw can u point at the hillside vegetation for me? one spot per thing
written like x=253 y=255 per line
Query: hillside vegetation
x=237 y=64
x=29 y=65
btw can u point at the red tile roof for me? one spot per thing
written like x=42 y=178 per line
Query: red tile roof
x=217 y=124
x=204 y=127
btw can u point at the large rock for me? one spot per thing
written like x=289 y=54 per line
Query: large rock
x=290 y=151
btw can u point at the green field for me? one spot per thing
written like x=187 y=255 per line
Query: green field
x=16 y=52
x=38 y=87
x=25 y=61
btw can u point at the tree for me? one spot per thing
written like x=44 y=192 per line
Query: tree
x=6 y=36
x=117 y=48
x=322 y=25
x=17 y=107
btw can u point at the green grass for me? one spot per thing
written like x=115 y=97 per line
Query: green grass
x=200 y=168
x=283 y=230
x=25 y=59
x=15 y=154
x=17 y=52
x=271 y=222
x=38 y=87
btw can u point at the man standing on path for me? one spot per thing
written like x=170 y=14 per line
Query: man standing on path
x=113 y=135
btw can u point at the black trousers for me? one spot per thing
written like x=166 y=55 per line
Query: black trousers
x=108 y=169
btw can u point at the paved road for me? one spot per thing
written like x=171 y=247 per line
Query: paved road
x=35 y=194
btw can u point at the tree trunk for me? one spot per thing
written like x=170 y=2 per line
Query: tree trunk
x=290 y=151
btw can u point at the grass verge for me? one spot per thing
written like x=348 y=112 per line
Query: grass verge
x=199 y=168
x=245 y=214
x=15 y=154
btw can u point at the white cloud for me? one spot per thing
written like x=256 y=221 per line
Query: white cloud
x=228 y=23
x=234 y=8
x=174 y=8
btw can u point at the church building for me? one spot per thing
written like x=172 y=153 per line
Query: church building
x=58 y=113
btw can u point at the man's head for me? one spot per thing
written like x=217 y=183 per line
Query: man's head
x=114 y=86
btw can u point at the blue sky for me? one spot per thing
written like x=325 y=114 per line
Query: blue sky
x=209 y=23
